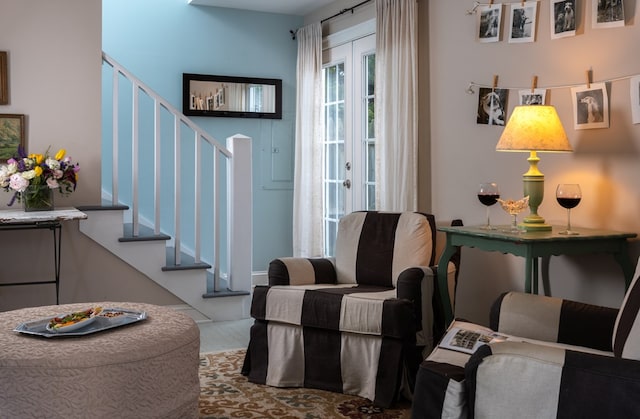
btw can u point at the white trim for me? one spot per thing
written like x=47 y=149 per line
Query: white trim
x=350 y=34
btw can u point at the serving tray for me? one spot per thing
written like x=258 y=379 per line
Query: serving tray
x=102 y=322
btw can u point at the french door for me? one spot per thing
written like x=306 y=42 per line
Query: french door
x=349 y=143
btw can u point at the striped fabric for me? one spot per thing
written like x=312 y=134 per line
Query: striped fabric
x=626 y=336
x=524 y=380
x=349 y=325
x=553 y=320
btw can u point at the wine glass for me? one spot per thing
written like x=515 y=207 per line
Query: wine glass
x=488 y=195
x=568 y=196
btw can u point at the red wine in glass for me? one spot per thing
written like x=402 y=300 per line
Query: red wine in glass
x=568 y=196
x=488 y=195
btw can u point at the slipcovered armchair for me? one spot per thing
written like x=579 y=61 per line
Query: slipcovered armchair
x=563 y=359
x=355 y=324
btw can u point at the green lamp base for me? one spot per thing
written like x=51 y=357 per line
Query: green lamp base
x=534 y=223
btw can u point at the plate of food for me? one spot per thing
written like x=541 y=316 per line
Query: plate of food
x=71 y=322
x=81 y=323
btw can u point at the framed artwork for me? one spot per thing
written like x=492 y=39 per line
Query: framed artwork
x=12 y=131
x=590 y=106
x=533 y=97
x=522 y=22
x=489 y=17
x=492 y=105
x=634 y=90
x=4 y=83
x=563 y=18
x=607 y=13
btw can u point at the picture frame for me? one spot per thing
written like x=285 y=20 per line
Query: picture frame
x=607 y=13
x=231 y=97
x=492 y=106
x=590 y=106
x=489 y=19
x=563 y=15
x=12 y=135
x=522 y=22
x=4 y=79
x=532 y=96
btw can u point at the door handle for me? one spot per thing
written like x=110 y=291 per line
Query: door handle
x=347 y=184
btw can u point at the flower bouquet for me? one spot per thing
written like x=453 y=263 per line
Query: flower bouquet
x=33 y=178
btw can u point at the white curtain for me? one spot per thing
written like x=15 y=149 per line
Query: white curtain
x=307 y=189
x=396 y=113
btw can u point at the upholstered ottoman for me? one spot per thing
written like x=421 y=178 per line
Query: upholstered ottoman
x=147 y=369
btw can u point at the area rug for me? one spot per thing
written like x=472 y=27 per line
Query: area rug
x=225 y=393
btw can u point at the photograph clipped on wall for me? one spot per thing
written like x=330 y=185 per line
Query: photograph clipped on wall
x=563 y=16
x=634 y=90
x=492 y=105
x=489 y=17
x=522 y=22
x=590 y=106
x=532 y=97
x=607 y=13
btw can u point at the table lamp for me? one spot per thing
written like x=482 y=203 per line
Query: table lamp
x=533 y=129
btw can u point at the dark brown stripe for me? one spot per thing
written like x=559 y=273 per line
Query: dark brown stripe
x=256 y=361
x=278 y=273
x=322 y=368
x=374 y=262
x=324 y=270
x=586 y=325
x=431 y=388
x=259 y=302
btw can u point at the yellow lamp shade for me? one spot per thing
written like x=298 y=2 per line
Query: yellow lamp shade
x=534 y=128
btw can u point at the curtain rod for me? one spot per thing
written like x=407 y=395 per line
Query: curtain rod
x=341 y=12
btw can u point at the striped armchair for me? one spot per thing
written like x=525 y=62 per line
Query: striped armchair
x=355 y=324
x=563 y=359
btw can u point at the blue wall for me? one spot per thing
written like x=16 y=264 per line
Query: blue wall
x=158 y=40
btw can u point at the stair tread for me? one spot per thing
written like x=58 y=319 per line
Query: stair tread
x=144 y=234
x=104 y=207
x=224 y=293
x=186 y=262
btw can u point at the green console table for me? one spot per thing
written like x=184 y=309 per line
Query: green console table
x=532 y=245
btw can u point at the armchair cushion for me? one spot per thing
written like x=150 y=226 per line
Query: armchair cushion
x=347 y=308
x=553 y=320
x=373 y=248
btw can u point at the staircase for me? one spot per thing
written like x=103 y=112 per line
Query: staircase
x=190 y=231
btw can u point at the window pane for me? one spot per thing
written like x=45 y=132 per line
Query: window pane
x=370 y=68
x=340 y=81
x=370 y=134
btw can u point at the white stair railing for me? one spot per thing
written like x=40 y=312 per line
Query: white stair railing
x=235 y=158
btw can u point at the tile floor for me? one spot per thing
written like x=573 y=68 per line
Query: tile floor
x=223 y=336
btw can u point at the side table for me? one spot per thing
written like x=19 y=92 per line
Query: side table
x=531 y=246
x=35 y=220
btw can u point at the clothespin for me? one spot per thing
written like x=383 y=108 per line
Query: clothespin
x=495 y=81
x=588 y=74
x=534 y=83
x=490 y=2
x=522 y=3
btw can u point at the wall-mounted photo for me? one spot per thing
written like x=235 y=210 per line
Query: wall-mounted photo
x=563 y=16
x=238 y=97
x=492 y=105
x=4 y=79
x=590 y=106
x=522 y=22
x=634 y=91
x=489 y=17
x=12 y=135
x=532 y=97
x=607 y=13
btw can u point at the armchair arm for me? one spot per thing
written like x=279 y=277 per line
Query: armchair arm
x=301 y=271
x=525 y=380
x=418 y=285
x=554 y=320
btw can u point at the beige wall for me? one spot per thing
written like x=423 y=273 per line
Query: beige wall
x=456 y=153
x=54 y=51
x=605 y=162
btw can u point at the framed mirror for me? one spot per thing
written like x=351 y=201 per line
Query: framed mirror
x=236 y=97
